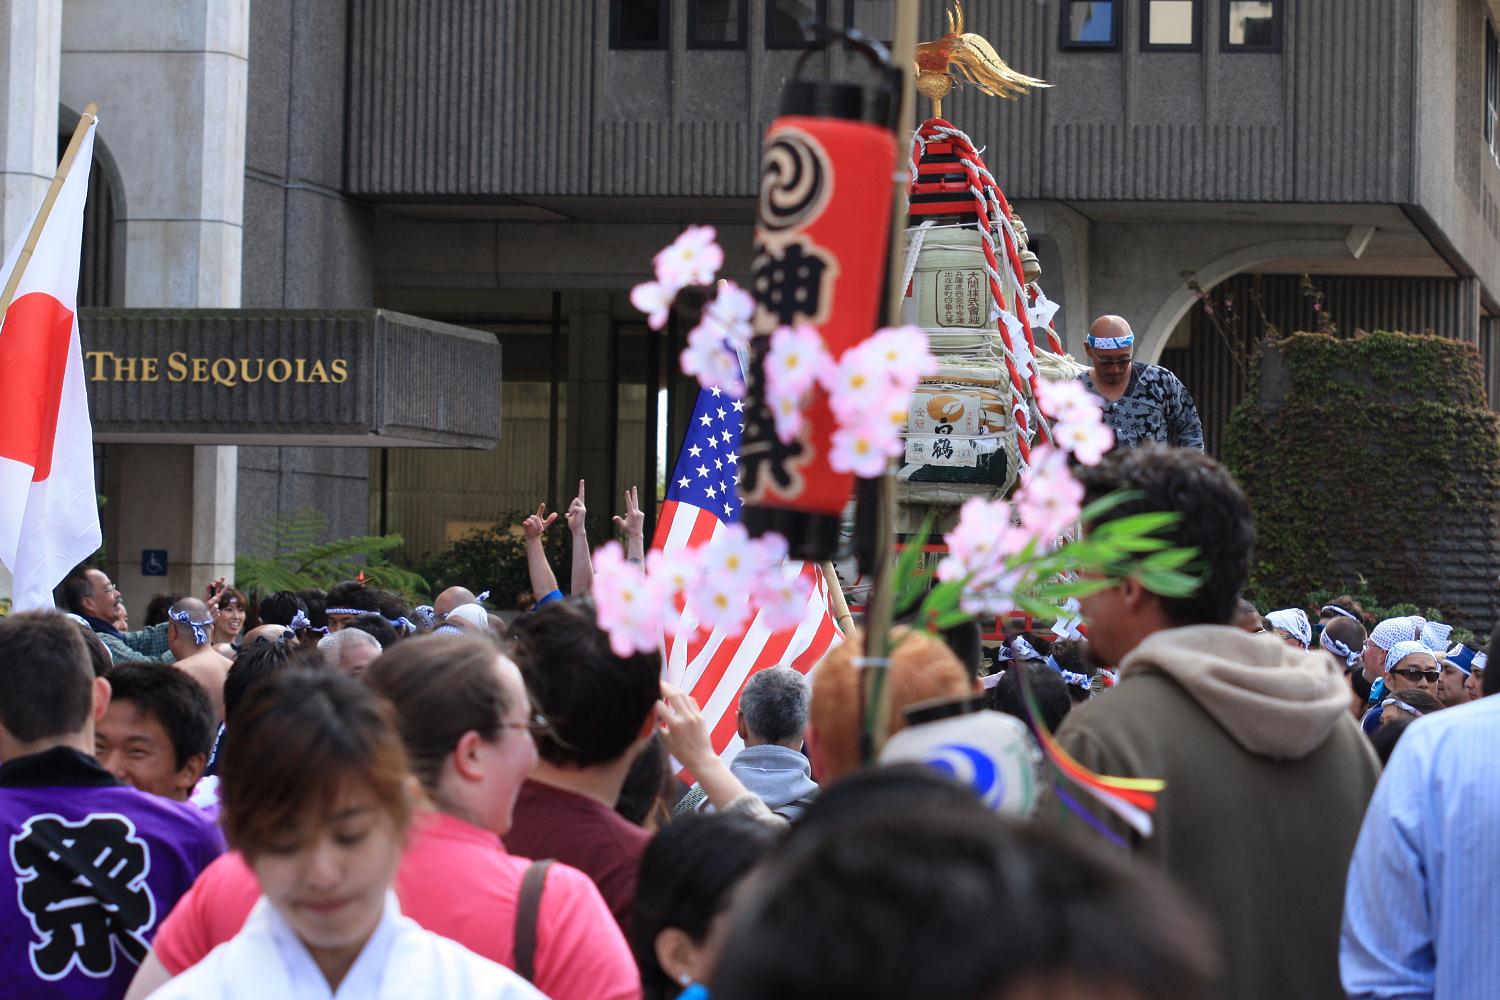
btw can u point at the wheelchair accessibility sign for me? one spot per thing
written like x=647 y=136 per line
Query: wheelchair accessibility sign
x=153 y=562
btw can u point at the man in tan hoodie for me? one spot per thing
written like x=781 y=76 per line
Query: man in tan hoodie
x=1267 y=775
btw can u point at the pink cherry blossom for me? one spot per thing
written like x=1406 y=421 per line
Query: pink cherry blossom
x=983 y=539
x=720 y=604
x=730 y=312
x=627 y=608
x=692 y=259
x=1087 y=440
x=708 y=359
x=857 y=384
x=796 y=357
x=1050 y=499
x=781 y=596
x=1067 y=400
x=731 y=558
x=654 y=299
x=787 y=412
x=863 y=448
x=904 y=350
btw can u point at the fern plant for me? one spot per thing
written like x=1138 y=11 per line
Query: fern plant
x=296 y=560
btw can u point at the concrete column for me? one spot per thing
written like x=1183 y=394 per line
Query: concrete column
x=170 y=77
x=30 y=39
x=591 y=439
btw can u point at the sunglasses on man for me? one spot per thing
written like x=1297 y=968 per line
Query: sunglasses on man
x=1413 y=674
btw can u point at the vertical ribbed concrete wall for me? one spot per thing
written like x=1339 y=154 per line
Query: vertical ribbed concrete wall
x=464 y=98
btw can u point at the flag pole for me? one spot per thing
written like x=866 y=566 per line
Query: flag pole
x=836 y=598
x=878 y=616
x=89 y=117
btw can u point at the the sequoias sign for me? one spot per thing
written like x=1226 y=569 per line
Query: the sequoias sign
x=180 y=366
x=295 y=377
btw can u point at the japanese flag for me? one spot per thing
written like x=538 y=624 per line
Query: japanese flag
x=49 y=514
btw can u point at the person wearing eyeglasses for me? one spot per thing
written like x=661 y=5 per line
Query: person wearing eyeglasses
x=1142 y=402
x=1409 y=666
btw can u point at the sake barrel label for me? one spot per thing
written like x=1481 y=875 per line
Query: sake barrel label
x=961 y=298
x=942 y=449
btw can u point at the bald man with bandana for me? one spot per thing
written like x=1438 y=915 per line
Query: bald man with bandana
x=1142 y=402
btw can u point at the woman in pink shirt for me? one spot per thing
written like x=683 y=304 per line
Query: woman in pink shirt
x=466 y=721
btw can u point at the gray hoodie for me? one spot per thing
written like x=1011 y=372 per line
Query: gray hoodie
x=778 y=775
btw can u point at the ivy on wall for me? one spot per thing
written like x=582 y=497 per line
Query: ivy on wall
x=1373 y=466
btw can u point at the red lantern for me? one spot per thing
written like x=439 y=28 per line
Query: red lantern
x=821 y=243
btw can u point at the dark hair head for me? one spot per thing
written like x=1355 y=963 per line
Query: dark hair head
x=775 y=703
x=259 y=662
x=316 y=601
x=643 y=795
x=1350 y=633
x=383 y=631
x=1418 y=699
x=1384 y=739
x=1350 y=605
x=301 y=738
x=351 y=594
x=280 y=608
x=173 y=699
x=596 y=702
x=687 y=874
x=906 y=892
x=99 y=657
x=46 y=676
x=1046 y=684
x=76 y=588
x=157 y=608
x=1215 y=520
x=886 y=789
x=443 y=687
x=234 y=595
x=391 y=604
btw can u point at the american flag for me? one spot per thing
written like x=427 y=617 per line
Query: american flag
x=701 y=499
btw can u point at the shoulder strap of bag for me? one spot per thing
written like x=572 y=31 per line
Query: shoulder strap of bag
x=527 y=908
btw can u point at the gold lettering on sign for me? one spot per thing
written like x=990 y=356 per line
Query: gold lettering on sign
x=228 y=373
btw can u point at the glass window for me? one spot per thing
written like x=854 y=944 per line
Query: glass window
x=1091 y=24
x=638 y=24
x=1252 y=26
x=716 y=24
x=1169 y=24
x=875 y=18
x=784 y=20
x=1491 y=87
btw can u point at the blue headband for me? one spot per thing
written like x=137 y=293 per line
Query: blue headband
x=1110 y=343
x=426 y=614
x=200 y=629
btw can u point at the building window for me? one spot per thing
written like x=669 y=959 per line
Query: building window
x=638 y=24
x=1170 y=25
x=1491 y=87
x=716 y=24
x=1250 y=26
x=1091 y=24
x=874 y=18
x=784 y=19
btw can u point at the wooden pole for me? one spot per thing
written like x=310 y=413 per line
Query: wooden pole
x=836 y=598
x=878 y=615
x=89 y=117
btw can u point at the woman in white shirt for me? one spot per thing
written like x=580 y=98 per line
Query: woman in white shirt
x=317 y=796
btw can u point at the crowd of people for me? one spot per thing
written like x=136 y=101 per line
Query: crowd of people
x=338 y=794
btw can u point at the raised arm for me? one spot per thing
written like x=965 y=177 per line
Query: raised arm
x=543 y=580
x=633 y=524
x=583 y=566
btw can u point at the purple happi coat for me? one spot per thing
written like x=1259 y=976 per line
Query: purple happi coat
x=90 y=869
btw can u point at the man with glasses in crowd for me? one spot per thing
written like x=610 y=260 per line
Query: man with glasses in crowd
x=1142 y=402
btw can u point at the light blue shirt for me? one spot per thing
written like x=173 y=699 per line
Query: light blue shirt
x=1423 y=898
